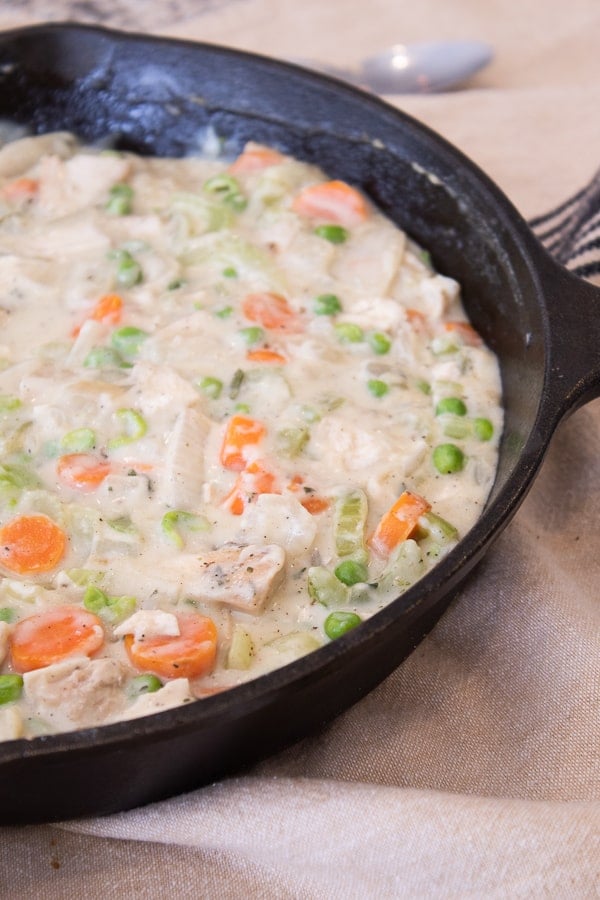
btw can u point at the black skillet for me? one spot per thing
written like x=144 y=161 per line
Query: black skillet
x=156 y=96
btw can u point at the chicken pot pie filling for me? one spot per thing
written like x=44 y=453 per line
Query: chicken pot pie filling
x=239 y=414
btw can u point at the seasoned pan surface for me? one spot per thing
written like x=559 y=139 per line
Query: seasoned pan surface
x=158 y=96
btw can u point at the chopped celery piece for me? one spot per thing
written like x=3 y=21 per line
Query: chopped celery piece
x=143 y=684
x=437 y=527
x=111 y=609
x=16 y=477
x=9 y=403
x=228 y=189
x=241 y=649
x=325 y=588
x=10 y=688
x=338 y=623
x=85 y=577
x=134 y=428
x=296 y=643
x=404 y=567
x=104 y=358
x=224 y=312
x=229 y=272
x=78 y=440
x=8 y=615
x=456 y=427
x=123 y=525
x=176 y=519
x=292 y=441
x=350 y=516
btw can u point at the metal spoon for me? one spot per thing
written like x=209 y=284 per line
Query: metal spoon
x=424 y=67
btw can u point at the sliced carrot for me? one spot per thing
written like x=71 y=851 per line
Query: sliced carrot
x=31 y=544
x=399 y=522
x=20 y=189
x=82 y=471
x=416 y=319
x=255 y=479
x=254 y=158
x=332 y=201
x=109 y=309
x=315 y=505
x=241 y=434
x=54 y=635
x=466 y=332
x=190 y=654
x=266 y=355
x=272 y=311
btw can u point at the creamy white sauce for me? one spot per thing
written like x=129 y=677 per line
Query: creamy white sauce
x=116 y=419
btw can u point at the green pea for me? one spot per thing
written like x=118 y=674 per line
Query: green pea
x=453 y=405
x=483 y=429
x=338 y=623
x=327 y=305
x=7 y=615
x=351 y=572
x=335 y=234
x=105 y=358
x=377 y=387
x=10 y=688
x=128 y=340
x=120 y=200
x=448 y=458
x=380 y=343
x=210 y=386
x=230 y=272
x=143 y=684
x=9 y=403
x=224 y=312
x=129 y=271
x=349 y=333
x=252 y=335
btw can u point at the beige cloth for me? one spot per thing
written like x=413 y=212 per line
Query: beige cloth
x=474 y=770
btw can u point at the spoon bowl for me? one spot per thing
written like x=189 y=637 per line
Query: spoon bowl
x=425 y=67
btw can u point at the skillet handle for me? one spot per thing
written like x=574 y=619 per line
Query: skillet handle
x=573 y=366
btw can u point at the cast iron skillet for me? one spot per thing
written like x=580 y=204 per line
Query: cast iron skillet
x=156 y=96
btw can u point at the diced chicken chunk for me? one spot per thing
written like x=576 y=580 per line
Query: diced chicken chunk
x=79 y=182
x=242 y=577
x=183 y=478
x=76 y=693
x=147 y=623
x=174 y=693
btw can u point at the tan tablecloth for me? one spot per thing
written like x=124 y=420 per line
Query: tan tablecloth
x=474 y=770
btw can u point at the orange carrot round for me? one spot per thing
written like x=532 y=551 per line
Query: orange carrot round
x=31 y=544
x=272 y=311
x=332 y=201
x=54 y=635
x=190 y=654
x=82 y=471
x=254 y=158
